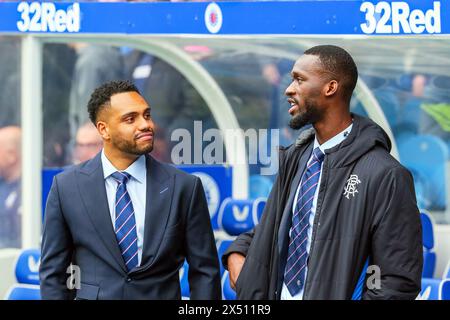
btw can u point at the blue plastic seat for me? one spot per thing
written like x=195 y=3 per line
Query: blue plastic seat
x=429 y=256
x=427 y=230
x=435 y=289
x=429 y=263
x=404 y=131
x=430 y=289
x=426 y=156
x=24 y=292
x=444 y=290
x=238 y=216
x=411 y=111
x=388 y=100
x=27 y=267
x=227 y=292
x=27 y=276
x=222 y=246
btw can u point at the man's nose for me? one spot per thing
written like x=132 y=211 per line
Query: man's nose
x=145 y=124
x=289 y=91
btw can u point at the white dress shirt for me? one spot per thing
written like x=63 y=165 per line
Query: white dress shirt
x=337 y=139
x=136 y=187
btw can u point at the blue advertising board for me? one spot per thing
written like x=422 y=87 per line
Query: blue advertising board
x=216 y=181
x=47 y=180
x=230 y=18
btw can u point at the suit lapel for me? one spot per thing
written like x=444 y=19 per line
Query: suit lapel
x=157 y=208
x=93 y=192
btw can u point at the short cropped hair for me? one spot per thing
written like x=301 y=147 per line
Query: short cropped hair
x=101 y=97
x=340 y=64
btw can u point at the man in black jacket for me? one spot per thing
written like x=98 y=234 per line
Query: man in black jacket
x=340 y=201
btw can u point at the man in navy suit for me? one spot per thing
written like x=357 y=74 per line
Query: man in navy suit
x=124 y=219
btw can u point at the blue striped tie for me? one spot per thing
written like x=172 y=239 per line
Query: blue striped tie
x=125 y=223
x=294 y=274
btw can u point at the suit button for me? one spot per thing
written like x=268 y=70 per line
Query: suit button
x=128 y=279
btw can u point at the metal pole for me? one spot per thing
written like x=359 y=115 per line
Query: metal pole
x=31 y=117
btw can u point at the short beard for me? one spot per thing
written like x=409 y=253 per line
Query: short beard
x=132 y=148
x=310 y=116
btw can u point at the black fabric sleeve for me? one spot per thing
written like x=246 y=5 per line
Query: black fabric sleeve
x=396 y=238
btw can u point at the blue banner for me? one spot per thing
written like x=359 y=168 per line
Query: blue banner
x=230 y=18
x=217 y=183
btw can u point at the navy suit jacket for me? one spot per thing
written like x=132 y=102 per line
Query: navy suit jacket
x=78 y=230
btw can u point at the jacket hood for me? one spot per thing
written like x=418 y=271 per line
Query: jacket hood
x=364 y=136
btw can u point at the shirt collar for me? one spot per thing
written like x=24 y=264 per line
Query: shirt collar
x=137 y=169
x=335 y=140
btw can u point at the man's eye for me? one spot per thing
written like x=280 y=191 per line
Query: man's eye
x=129 y=120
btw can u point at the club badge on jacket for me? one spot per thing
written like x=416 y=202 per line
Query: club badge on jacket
x=350 y=188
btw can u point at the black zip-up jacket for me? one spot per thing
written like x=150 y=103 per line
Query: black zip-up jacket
x=366 y=209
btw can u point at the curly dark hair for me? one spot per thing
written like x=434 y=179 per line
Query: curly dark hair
x=101 y=97
x=340 y=64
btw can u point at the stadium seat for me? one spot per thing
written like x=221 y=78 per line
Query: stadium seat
x=389 y=101
x=430 y=289
x=422 y=187
x=444 y=290
x=426 y=156
x=227 y=292
x=27 y=267
x=404 y=131
x=24 y=292
x=238 y=216
x=184 y=283
x=411 y=112
x=403 y=82
x=427 y=229
x=429 y=263
x=429 y=256
x=27 y=276
x=222 y=246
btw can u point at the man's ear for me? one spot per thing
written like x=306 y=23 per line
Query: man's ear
x=103 y=129
x=331 y=88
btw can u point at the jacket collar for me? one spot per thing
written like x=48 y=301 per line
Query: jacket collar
x=365 y=135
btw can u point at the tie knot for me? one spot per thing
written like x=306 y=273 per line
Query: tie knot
x=121 y=177
x=318 y=154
